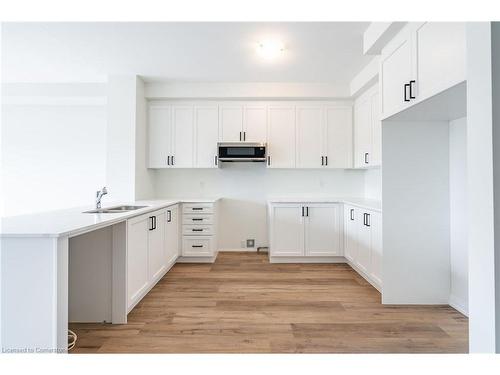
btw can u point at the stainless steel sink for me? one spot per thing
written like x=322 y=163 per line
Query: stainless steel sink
x=114 y=210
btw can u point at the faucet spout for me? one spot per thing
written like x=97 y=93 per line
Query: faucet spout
x=99 y=195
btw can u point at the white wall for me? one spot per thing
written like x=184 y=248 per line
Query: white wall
x=458 y=216
x=416 y=206
x=53 y=147
x=144 y=178
x=481 y=230
x=373 y=183
x=245 y=186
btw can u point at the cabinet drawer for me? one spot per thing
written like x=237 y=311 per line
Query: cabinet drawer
x=197 y=230
x=197 y=246
x=198 y=208
x=198 y=219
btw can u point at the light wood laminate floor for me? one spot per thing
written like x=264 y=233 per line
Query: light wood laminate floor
x=244 y=304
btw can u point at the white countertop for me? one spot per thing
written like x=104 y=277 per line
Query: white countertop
x=73 y=221
x=371 y=204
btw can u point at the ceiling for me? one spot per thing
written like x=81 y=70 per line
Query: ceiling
x=181 y=52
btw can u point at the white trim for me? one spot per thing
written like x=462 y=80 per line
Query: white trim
x=459 y=305
x=55 y=100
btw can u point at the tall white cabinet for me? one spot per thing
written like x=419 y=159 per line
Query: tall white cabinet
x=281 y=137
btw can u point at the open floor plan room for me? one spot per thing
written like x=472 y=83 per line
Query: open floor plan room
x=250 y=187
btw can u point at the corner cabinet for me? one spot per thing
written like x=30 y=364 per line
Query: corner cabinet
x=422 y=60
x=363 y=242
x=305 y=229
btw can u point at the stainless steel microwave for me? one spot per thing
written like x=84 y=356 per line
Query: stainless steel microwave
x=241 y=151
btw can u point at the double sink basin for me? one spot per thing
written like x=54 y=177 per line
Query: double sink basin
x=114 y=210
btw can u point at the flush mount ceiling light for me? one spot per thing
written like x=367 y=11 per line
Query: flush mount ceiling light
x=270 y=49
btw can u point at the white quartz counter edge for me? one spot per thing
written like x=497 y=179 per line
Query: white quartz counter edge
x=370 y=204
x=74 y=221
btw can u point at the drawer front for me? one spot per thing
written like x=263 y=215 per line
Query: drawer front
x=197 y=230
x=198 y=208
x=197 y=246
x=197 y=219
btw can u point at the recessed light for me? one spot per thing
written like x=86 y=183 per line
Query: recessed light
x=270 y=49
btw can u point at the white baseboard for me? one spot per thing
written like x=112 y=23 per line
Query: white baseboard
x=459 y=305
x=242 y=249
x=308 y=259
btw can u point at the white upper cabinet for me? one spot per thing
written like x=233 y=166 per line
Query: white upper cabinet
x=367 y=130
x=206 y=119
x=423 y=60
x=231 y=122
x=440 y=57
x=339 y=142
x=310 y=137
x=299 y=134
x=281 y=137
x=322 y=230
x=159 y=134
x=396 y=72
x=182 y=137
x=255 y=123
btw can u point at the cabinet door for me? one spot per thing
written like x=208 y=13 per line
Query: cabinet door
x=207 y=135
x=287 y=230
x=137 y=257
x=255 y=123
x=281 y=137
x=362 y=259
x=172 y=234
x=160 y=135
x=339 y=142
x=231 y=123
x=350 y=233
x=362 y=132
x=375 y=158
x=440 y=57
x=322 y=230
x=183 y=136
x=395 y=72
x=156 y=246
x=375 y=222
x=310 y=137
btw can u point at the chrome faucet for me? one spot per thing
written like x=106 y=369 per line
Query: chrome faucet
x=98 y=196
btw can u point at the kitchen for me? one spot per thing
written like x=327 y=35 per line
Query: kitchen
x=336 y=186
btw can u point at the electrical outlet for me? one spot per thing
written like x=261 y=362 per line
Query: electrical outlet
x=250 y=243
x=243 y=243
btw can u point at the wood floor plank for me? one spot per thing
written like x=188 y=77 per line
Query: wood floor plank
x=244 y=304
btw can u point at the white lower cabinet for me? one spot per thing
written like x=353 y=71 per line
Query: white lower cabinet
x=363 y=242
x=305 y=229
x=199 y=230
x=322 y=230
x=152 y=247
x=172 y=234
